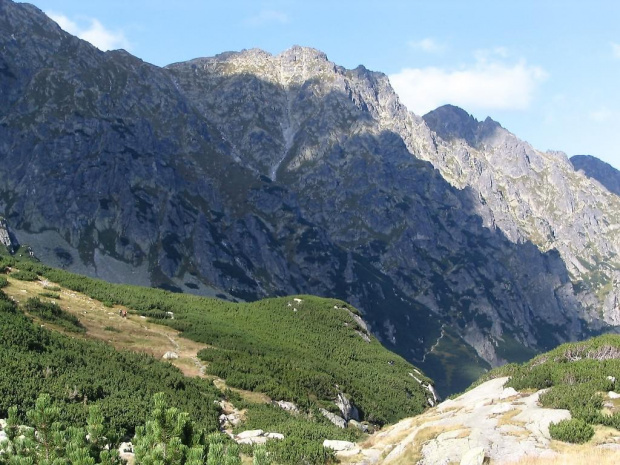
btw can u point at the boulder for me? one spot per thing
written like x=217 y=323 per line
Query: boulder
x=125 y=451
x=252 y=441
x=335 y=419
x=253 y=433
x=339 y=446
x=288 y=406
x=360 y=426
x=274 y=436
x=170 y=355
x=473 y=456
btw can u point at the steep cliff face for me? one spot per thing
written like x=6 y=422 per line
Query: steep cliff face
x=248 y=175
x=537 y=196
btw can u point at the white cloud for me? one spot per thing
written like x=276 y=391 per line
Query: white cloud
x=488 y=84
x=268 y=17
x=94 y=32
x=427 y=45
x=615 y=48
x=600 y=115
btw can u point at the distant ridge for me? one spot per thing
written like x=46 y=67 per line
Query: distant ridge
x=597 y=169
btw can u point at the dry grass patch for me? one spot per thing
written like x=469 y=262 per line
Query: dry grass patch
x=249 y=396
x=104 y=323
x=580 y=454
x=591 y=456
x=507 y=418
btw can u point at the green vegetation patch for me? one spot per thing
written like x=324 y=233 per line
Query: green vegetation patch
x=169 y=437
x=574 y=430
x=24 y=275
x=52 y=313
x=577 y=375
x=78 y=373
x=303 y=349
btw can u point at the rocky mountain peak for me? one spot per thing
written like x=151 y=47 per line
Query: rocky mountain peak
x=451 y=122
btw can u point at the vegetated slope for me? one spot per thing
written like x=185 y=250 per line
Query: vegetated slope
x=597 y=169
x=253 y=175
x=303 y=349
x=77 y=373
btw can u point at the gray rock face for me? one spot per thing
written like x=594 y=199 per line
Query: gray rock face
x=346 y=407
x=335 y=419
x=248 y=175
x=597 y=169
x=6 y=238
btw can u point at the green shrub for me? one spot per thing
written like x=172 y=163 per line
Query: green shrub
x=51 y=312
x=24 y=275
x=51 y=295
x=52 y=288
x=3 y=282
x=575 y=431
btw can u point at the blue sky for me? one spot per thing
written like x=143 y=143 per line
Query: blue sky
x=546 y=70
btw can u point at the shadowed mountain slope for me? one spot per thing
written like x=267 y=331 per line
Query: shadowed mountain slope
x=249 y=175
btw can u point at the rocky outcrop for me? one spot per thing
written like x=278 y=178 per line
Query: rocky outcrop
x=256 y=437
x=335 y=419
x=6 y=238
x=346 y=407
x=488 y=421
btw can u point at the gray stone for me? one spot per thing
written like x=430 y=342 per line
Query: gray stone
x=252 y=441
x=339 y=446
x=170 y=355
x=348 y=410
x=250 y=434
x=473 y=456
x=335 y=419
x=288 y=406
x=360 y=426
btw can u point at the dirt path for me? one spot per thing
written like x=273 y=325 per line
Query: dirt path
x=133 y=333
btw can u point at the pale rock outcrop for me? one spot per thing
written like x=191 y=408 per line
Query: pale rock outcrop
x=348 y=410
x=339 y=446
x=335 y=419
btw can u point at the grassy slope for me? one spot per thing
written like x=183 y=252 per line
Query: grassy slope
x=305 y=355
x=77 y=372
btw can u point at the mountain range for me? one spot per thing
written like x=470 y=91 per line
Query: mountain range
x=248 y=175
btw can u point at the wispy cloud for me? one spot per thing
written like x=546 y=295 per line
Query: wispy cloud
x=93 y=31
x=427 y=45
x=488 y=84
x=615 y=48
x=264 y=17
x=600 y=115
